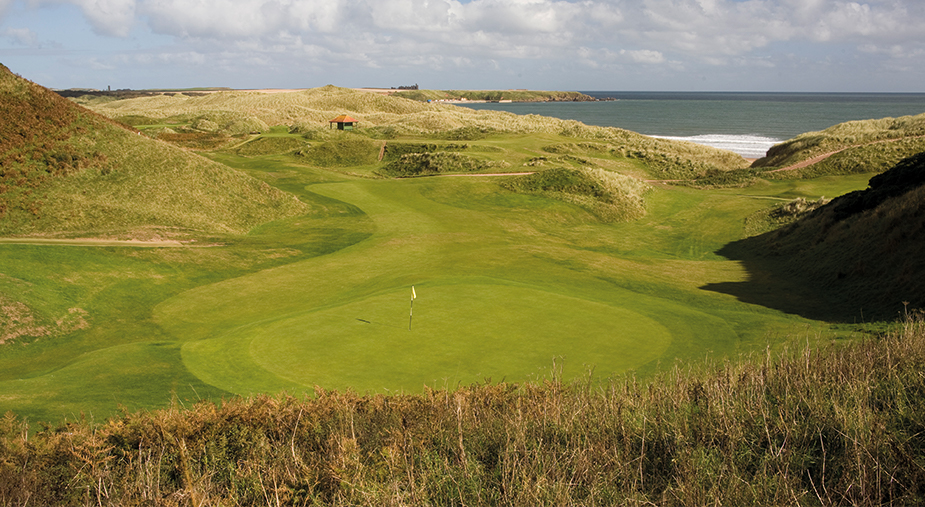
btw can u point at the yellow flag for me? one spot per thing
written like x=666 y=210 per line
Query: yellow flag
x=413 y=295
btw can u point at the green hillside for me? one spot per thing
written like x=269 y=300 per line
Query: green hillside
x=861 y=253
x=209 y=121
x=531 y=241
x=855 y=146
x=67 y=171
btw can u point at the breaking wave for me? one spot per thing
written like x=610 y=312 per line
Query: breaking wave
x=749 y=146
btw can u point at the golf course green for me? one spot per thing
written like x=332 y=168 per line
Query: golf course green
x=509 y=287
x=286 y=259
x=505 y=291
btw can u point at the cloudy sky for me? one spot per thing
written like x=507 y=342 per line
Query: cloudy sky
x=674 y=45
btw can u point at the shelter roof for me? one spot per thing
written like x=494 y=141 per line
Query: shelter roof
x=342 y=119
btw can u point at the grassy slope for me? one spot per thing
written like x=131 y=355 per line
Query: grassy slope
x=863 y=250
x=261 y=312
x=870 y=145
x=310 y=110
x=68 y=171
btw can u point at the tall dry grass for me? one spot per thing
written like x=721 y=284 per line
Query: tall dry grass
x=842 y=425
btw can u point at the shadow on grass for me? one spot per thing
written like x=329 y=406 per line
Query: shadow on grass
x=857 y=259
x=772 y=283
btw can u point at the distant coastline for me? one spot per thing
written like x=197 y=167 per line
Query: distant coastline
x=747 y=123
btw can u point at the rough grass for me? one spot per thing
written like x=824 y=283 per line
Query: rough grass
x=837 y=426
x=863 y=248
x=413 y=164
x=396 y=150
x=776 y=216
x=843 y=135
x=68 y=171
x=348 y=152
x=383 y=117
x=610 y=196
x=270 y=146
x=674 y=161
x=867 y=158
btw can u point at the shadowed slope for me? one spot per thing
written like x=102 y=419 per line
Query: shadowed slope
x=860 y=255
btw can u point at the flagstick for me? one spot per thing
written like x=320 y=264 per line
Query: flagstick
x=411 y=312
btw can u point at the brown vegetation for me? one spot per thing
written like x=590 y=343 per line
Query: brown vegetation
x=34 y=141
x=837 y=426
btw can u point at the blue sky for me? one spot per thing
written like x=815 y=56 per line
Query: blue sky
x=674 y=45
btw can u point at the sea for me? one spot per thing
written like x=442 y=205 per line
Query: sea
x=747 y=123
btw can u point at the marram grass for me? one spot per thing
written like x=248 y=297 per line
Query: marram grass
x=67 y=171
x=611 y=197
x=841 y=425
x=846 y=135
x=309 y=112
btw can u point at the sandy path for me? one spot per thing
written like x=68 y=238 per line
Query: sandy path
x=819 y=158
x=91 y=242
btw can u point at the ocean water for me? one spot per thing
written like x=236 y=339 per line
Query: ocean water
x=748 y=123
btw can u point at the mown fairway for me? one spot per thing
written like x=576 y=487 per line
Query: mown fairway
x=509 y=286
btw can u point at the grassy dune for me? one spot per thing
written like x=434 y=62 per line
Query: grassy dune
x=870 y=145
x=862 y=249
x=75 y=173
x=307 y=112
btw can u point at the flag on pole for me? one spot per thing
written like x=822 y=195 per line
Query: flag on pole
x=411 y=311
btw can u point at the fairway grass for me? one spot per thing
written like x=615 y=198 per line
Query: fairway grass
x=506 y=289
x=463 y=333
x=510 y=287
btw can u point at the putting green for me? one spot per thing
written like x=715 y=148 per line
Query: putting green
x=460 y=334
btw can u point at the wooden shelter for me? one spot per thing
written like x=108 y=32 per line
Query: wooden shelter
x=344 y=122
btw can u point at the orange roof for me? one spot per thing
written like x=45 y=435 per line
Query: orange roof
x=343 y=119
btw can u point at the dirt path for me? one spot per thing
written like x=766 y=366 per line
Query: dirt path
x=810 y=161
x=819 y=158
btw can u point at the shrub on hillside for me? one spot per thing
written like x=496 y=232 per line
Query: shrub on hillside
x=349 y=152
x=396 y=150
x=430 y=163
x=609 y=196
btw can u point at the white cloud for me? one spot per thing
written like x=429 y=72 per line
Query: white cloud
x=544 y=35
x=644 y=56
x=20 y=36
x=512 y=27
x=107 y=17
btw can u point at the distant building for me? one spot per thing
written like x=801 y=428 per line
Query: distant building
x=344 y=122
